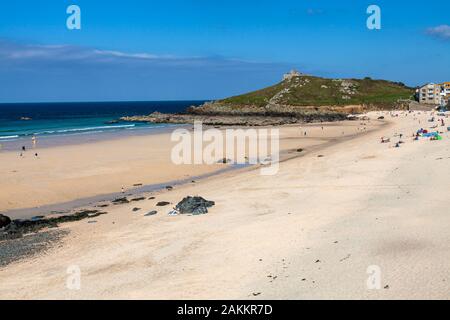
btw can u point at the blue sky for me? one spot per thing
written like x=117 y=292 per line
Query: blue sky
x=207 y=49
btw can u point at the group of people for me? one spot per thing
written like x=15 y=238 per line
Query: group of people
x=34 y=143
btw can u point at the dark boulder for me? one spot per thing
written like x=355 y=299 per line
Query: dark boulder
x=194 y=205
x=4 y=221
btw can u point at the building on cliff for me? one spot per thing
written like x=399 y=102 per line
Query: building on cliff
x=292 y=74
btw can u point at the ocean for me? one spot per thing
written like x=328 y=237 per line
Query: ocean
x=64 y=122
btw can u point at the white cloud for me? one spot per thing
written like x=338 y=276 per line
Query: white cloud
x=16 y=51
x=126 y=55
x=442 y=31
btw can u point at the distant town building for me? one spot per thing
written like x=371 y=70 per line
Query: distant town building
x=430 y=94
x=446 y=93
x=435 y=94
x=292 y=74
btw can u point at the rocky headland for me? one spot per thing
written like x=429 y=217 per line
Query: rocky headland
x=297 y=98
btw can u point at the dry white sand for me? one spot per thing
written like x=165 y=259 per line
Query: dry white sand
x=311 y=231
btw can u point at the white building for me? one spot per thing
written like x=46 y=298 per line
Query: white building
x=292 y=74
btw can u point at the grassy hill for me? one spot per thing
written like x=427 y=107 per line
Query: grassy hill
x=314 y=91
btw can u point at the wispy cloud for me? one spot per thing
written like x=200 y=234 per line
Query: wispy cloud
x=17 y=53
x=23 y=52
x=442 y=31
x=34 y=72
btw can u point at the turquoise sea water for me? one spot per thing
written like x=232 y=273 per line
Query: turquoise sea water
x=20 y=122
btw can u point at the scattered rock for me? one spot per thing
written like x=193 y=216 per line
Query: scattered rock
x=136 y=209
x=138 y=199
x=320 y=156
x=137 y=184
x=4 y=221
x=169 y=188
x=345 y=258
x=151 y=198
x=256 y=294
x=17 y=228
x=120 y=200
x=386 y=287
x=103 y=205
x=300 y=150
x=194 y=205
x=162 y=203
x=151 y=213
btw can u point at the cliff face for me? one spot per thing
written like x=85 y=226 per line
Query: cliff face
x=303 y=95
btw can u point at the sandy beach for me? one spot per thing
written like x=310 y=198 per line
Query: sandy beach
x=65 y=173
x=343 y=205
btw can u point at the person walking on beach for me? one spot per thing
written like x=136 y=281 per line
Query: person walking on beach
x=34 y=141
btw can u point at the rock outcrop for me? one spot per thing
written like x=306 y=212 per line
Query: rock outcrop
x=194 y=205
x=4 y=221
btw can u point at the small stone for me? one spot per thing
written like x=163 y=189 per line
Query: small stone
x=151 y=213
x=136 y=209
x=224 y=161
x=162 y=203
x=120 y=200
